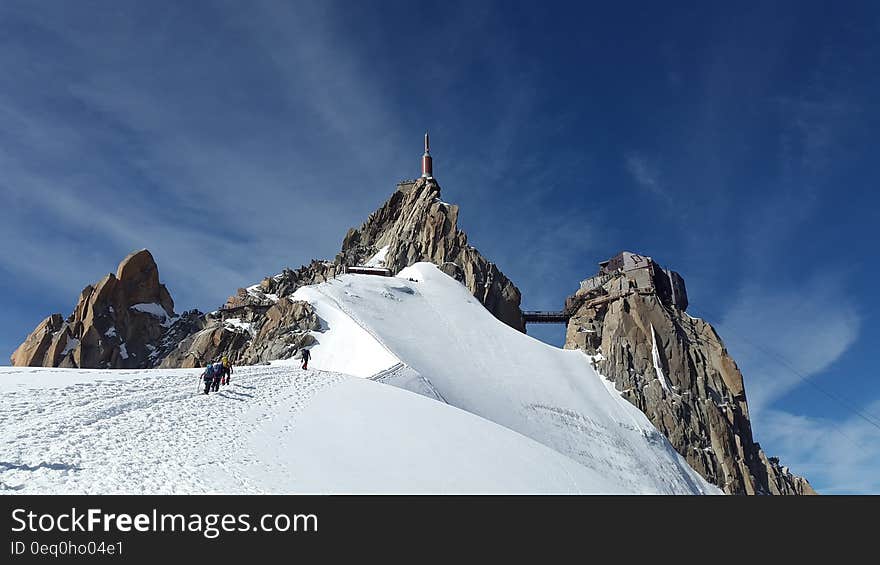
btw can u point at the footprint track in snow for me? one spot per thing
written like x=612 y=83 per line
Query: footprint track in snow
x=154 y=434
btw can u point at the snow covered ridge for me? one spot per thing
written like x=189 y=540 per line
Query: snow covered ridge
x=450 y=400
x=143 y=431
x=461 y=353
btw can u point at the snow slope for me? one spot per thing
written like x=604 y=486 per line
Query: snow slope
x=474 y=407
x=348 y=348
x=437 y=329
x=276 y=429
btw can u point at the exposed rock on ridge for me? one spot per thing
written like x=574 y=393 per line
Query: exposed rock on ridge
x=630 y=317
x=415 y=225
x=675 y=368
x=248 y=334
x=261 y=323
x=118 y=323
x=258 y=324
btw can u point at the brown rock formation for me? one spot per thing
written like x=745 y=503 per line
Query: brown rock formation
x=248 y=334
x=675 y=369
x=34 y=348
x=117 y=323
x=206 y=346
x=415 y=225
x=631 y=317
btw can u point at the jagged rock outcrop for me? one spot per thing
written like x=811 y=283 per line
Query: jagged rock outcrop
x=257 y=333
x=206 y=345
x=118 y=323
x=631 y=317
x=415 y=225
x=32 y=352
x=286 y=330
x=260 y=323
x=270 y=289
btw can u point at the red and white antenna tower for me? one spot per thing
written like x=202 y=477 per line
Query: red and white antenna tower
x=427 y=172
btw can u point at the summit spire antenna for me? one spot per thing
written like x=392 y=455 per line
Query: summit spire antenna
x=427 y=171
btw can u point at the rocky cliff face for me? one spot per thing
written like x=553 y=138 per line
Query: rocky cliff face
x=631 y=318
x=248 y=334
x=415 y=225
x=127 y=320
x=118 y=323
x=262 y=323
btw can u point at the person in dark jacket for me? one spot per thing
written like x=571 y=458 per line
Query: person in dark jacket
x=306 y=355
x=218 y=374
x=208 y=377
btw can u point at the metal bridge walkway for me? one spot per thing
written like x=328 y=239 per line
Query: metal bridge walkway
x=545 y=317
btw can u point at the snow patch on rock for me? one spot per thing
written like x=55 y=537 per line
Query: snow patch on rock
x=151 y=308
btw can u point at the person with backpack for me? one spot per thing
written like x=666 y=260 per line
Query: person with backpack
x=306 y=355
x=227 y=371
x=218 y=374
x=208 y=377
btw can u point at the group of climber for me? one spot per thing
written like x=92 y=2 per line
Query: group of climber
x=220 y=373
x=217 y=374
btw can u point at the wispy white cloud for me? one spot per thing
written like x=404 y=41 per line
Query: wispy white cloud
x=132 y=135
x=781 y=334
x=646 y=174
x=838 y=457
x=676 y=209
x=222 y=193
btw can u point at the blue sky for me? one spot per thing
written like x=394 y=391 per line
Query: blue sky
x=731 y=143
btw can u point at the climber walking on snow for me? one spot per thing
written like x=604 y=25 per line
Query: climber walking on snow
x=306 y=355
x=218 y=374
x=208 y=377
x=226 y=372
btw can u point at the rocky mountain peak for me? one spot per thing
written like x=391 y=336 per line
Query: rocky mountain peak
x=117 y=322
x=138 y=281
x=415 y=225
x=261 y=322
x=630 y=318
